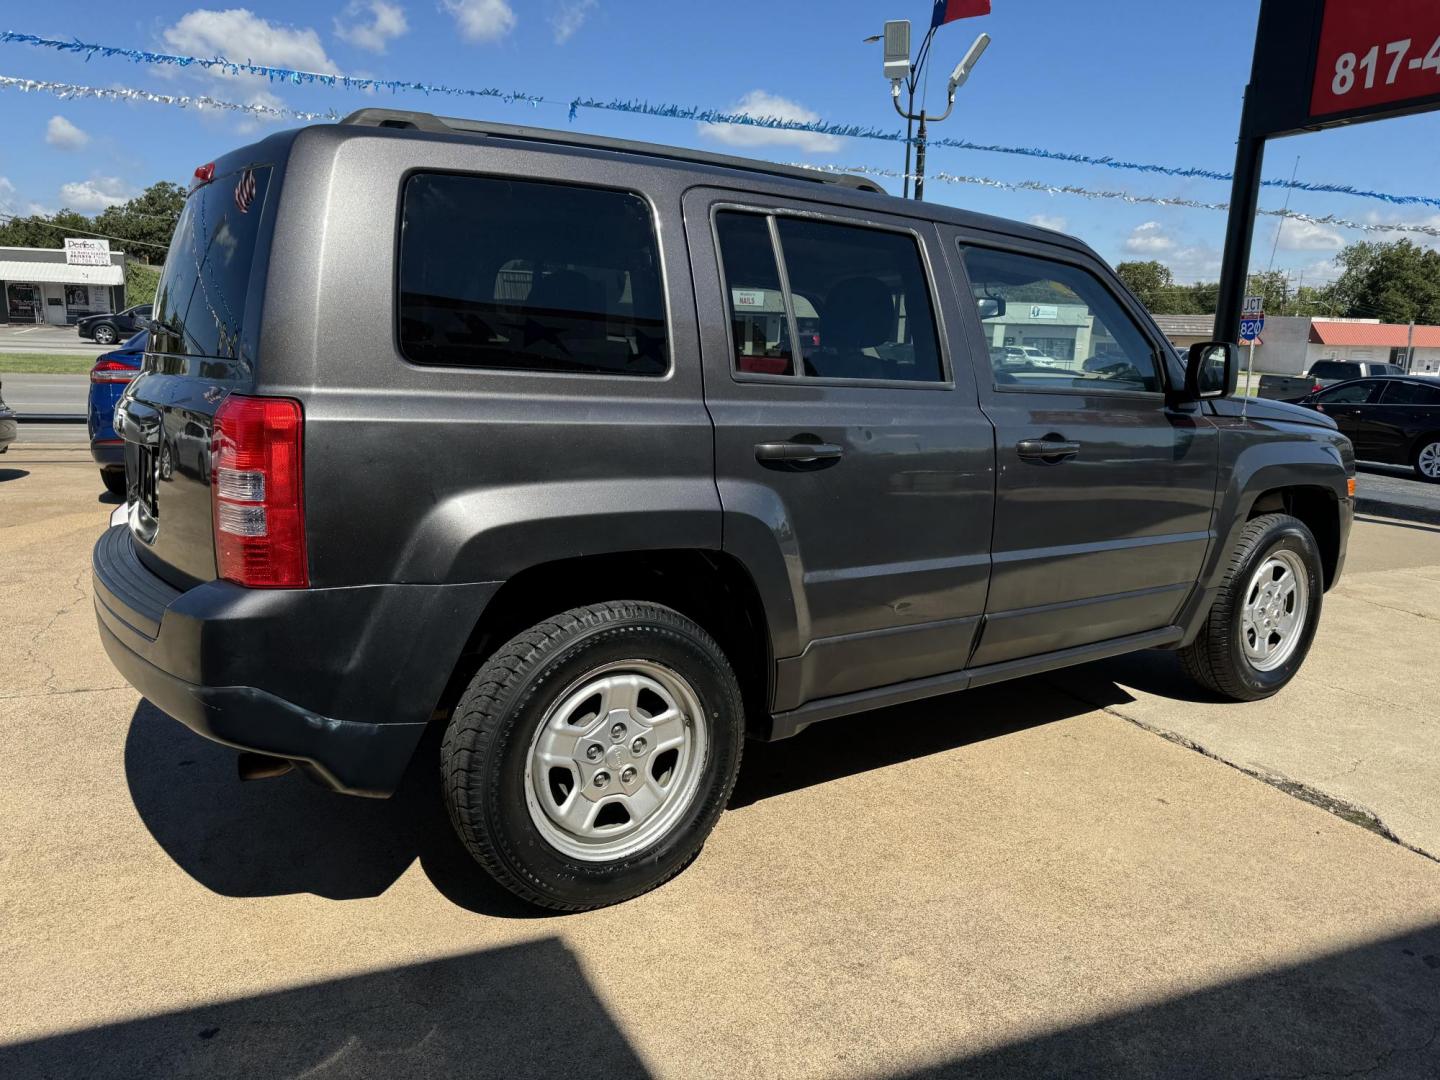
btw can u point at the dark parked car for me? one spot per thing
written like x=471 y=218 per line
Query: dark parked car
x=109 y=376
x=520 y=479
x=8 y=426
x=1394 y=420
x=1322 y=373
x=115 y=326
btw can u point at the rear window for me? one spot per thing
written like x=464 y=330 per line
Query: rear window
x=1335 y=369
x=529 y=276
x=199 y=308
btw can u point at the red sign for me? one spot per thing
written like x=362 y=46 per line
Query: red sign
x=1376 y=52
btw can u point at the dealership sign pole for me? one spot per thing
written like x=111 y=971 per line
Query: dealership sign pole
x=1320 y=64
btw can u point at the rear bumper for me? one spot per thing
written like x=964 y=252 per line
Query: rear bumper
x=108 y=453
x=342 y=680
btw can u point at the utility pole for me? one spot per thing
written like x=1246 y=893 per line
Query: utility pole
x=898 y=69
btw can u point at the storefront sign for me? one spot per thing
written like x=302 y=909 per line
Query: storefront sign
x=84 y=252
x=749 y=298
x=1044 y=311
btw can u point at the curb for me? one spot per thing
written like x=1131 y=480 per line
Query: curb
x=1404 y=511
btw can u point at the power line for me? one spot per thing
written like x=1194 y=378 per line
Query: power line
x=35 y=219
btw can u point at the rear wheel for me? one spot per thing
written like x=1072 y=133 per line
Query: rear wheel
x=105 y=334
x=1427 y=459
x=591 y=755
x=1260 y=627
x=114 y=480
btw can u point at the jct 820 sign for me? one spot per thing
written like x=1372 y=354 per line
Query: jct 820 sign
x=1374 y=52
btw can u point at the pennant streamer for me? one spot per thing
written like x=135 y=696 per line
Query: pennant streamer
x=1123 y=196
x=183 y=101
x=680 y=112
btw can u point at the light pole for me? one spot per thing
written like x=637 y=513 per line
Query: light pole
x=898 y=69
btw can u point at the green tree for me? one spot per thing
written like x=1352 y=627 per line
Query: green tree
x=44 y=232
x=1396 y=282
x=1152 y=283
x=146 y=220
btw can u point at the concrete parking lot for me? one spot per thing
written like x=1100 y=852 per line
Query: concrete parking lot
x=1035 y=879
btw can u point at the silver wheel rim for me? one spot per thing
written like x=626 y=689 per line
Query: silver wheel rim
x=1429 y=461
x=616 y=761
x=104 y=335
x=1272 y=618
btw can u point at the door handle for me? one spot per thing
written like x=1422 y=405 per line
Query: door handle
x=797 y=453
x=1049 y=450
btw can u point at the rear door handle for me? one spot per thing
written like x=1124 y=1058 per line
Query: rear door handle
x=797 y=453
x=1049 y=451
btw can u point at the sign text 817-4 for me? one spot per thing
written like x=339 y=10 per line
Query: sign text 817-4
x=1376 y=54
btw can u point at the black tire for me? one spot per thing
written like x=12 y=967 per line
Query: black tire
x=487 y=747
x=1216 y=658
x=114 y=480
x=105 y=334
x=1428 y=446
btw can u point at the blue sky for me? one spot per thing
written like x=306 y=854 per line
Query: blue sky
x=1134 y=79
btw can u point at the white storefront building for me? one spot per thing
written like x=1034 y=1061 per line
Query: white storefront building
x=60 y=285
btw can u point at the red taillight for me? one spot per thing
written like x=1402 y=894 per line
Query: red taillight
x=255 y=492
x=203 y=175
x=111 y=371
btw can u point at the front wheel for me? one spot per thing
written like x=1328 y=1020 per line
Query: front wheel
x=1427 y=459
x=114 y=481
x=105 y=334
x=1261 y=625
x=591 y=755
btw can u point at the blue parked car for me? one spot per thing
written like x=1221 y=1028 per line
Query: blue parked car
x=107 y=382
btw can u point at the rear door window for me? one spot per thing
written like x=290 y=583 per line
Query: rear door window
x=1409 y=393
x=1335 y=369
x=529 y=276
x=857 y=304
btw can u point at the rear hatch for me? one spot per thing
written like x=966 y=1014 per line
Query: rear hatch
x=202 y=348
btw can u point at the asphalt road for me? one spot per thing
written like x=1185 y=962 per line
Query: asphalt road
x=61 y=340
x=1019 y=881
x=45 y=393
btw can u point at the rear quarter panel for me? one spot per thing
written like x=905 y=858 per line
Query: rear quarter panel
x=433 y=474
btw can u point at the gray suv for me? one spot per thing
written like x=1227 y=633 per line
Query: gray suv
x=605 y=456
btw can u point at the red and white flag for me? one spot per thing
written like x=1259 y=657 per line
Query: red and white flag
x=245 y=191
x=950 y=10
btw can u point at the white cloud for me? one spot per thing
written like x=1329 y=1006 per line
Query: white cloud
x=385 y=23
x=760 y=103
x=1196 y=263
x=1149 y=239
x=95 y=194
x=1049 y=221
x=64 y=135
x=1308 y=236
x=481 y=20
x=570 y=18
x=239 y=34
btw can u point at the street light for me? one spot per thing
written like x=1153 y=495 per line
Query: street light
x=898 y=69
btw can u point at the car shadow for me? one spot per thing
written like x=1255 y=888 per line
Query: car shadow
x=287 y=835
x=13 y=474
x=109 y=498
x=531 y=1010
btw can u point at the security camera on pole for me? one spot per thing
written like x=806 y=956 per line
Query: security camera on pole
x=898 y=69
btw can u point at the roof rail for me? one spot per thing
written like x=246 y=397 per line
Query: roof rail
x=449 y=125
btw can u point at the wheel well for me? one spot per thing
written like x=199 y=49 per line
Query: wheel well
x=1422 y=441
x=710 y=587
x=1318 y=508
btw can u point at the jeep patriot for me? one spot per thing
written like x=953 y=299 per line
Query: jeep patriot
x=605 y=456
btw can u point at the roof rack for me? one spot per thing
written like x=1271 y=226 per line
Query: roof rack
x=449 y=125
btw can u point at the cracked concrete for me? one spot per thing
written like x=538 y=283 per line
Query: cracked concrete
x=1359 y=727
x=1012 y=882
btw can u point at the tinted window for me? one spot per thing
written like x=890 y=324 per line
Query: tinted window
x=1355 y=393
x=868 y=290
x=1335 y=369
x=529 y=276
x=201 y=300
x=1060 y=328
x=1388 y=369
x=759 y=322
x=1409 y=393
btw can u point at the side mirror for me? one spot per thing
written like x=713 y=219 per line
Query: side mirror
x=1210 y=371
x=990 y=307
